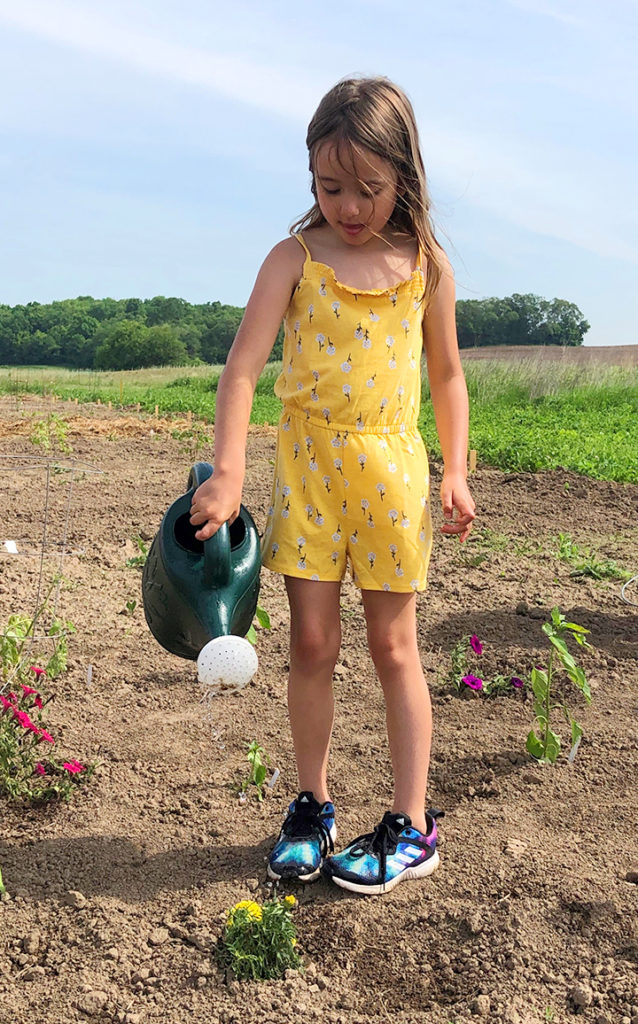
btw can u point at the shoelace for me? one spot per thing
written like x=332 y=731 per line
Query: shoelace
x=305 y=822
x=377 y=843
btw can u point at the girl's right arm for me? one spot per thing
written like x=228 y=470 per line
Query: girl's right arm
x=217 y=500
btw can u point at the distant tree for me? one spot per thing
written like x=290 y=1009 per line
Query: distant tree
x=130 y=345
x=519 y=320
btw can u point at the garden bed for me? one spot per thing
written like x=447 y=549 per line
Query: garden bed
x=117 y=899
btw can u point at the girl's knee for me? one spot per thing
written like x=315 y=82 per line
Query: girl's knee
x=315 y=646
x=391 y=652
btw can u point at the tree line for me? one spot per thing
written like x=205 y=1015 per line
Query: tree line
x=126 y=334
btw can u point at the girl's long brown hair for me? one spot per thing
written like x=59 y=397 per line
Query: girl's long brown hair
x=375 y=114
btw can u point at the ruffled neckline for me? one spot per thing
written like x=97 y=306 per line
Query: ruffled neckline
x=363 y=291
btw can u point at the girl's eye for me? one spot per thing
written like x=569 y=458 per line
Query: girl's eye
x=330 y=191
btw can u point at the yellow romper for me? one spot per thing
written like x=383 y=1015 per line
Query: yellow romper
x=351 y=477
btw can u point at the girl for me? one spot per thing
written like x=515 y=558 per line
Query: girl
x=361 y=286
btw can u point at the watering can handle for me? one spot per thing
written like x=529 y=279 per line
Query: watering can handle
x=217 y=567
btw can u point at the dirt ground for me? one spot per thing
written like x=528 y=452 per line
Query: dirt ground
x=116 y=900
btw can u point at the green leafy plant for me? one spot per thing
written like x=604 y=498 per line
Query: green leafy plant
x=131 y=605
x=542 y=742
x=3 y=887
x=136 y=561
x=259 y=941
x=586 y=562
x=51 y=434
x=258 y=761
x=263 y=619
x=192 y=440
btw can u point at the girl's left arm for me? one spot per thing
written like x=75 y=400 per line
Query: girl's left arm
x=450 y=402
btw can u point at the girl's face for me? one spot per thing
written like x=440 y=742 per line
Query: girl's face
x=356 y=193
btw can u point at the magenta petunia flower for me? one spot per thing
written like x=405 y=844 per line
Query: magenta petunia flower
x=73 y=767
x=24 y=720
x=516 y=682
x=38 y=671
x=27 y=689
x=476 y=644
x=46 y=736
x=473 y=682
x=6 y=703
x=39 y=769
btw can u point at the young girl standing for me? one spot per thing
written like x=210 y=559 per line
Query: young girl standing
x=362 y=286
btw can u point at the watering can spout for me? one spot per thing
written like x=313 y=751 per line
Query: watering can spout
x=194 y=591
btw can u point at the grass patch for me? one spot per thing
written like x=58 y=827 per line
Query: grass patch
x=525 y=417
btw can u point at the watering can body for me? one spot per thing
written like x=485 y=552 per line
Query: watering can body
x=194 y=591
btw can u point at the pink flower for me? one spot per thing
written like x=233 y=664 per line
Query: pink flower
x=39 y=769
x=38 y=671
x=24 y=720
x=6 y=703
x=38 y=702
x=27 y=689
x=46 y=736
x=476 y=644
x=73 y=767
x=517 y=683
x=473 y=682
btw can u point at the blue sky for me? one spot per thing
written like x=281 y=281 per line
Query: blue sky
x=152 y=147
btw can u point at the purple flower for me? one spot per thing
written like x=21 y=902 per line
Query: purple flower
x=476 y=644
x=473 y=682
x=517 y=683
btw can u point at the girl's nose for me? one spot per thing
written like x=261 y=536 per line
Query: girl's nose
x=350 y=206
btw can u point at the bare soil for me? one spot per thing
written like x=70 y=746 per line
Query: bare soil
x=116 y=900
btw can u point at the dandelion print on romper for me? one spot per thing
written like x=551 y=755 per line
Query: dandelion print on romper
x=351 y=480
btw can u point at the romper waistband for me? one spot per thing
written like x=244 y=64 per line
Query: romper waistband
x=353 y=428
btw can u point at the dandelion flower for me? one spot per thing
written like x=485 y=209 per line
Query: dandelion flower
x=290 y=901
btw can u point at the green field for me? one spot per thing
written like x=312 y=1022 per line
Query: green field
x=530 y=416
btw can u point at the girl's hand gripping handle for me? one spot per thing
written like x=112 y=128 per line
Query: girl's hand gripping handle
x=216 y=501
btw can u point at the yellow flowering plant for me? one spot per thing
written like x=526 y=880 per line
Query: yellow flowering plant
x=258 y=941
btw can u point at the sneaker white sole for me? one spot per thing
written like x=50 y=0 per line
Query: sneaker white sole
x=421 y=871
x=294 y=878
x=312 y=877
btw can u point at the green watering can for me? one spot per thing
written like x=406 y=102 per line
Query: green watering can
x=200 y=597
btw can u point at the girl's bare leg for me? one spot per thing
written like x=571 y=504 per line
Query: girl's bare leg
x=315 y=639
x=391 y=621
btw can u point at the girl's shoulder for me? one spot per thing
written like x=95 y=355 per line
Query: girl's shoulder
x=285 y=259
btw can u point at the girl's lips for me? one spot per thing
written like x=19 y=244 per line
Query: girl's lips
x=353 y=229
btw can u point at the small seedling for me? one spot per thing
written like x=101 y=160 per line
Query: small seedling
x=586 y=562
x=258 y=760
x=51 y=434
x=138 y=560
x=3 y=888
x=543 y=743
x=259 y=942
x=131 y=606
x=192 y=440
x=263 y=619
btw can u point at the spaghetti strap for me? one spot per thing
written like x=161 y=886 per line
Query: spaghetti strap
x=300 y=238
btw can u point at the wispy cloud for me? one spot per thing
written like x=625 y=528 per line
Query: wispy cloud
x=260 y=85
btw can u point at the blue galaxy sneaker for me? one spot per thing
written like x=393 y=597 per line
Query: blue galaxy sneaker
x=376 y=862
x=308 y=833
